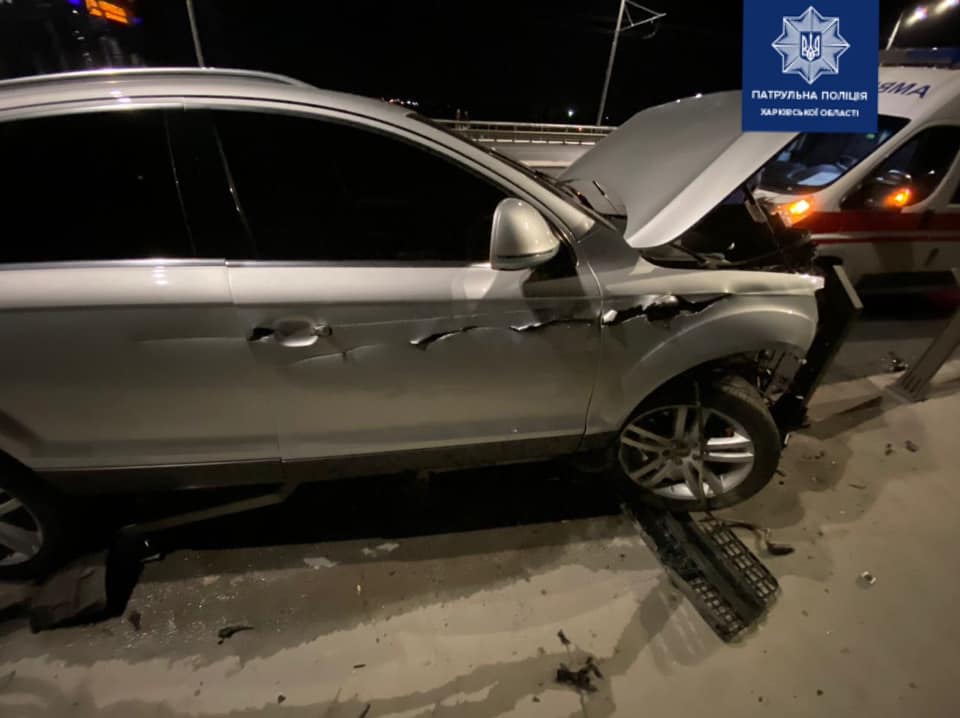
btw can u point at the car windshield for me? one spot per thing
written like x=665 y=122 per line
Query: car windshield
x=814 y=161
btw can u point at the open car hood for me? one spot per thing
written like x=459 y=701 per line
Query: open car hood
x=671 y=165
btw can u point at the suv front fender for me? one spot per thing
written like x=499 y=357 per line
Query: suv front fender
x=639 y=356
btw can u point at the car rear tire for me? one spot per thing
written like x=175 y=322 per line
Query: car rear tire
x=659 y=448
x=30 y=524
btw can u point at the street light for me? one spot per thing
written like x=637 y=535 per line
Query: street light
x=625 y=5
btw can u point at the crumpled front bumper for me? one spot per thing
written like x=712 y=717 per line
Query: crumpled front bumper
x=839 y=307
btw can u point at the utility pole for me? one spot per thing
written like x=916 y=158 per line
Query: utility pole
x=195 y=33
x=652 y=17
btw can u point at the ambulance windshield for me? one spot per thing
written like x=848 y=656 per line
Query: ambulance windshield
x=813 y=161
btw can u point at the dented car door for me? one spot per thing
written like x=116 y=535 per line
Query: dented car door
x=374 y=311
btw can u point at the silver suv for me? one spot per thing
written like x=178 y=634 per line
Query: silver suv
x=215 y=277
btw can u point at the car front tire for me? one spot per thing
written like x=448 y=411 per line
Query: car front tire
x=30 y=524
x=659 y=449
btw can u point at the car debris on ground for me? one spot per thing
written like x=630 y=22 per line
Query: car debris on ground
x=229 y=631
x=76 y=594
x=894 y=363
x=582 y=678
x=14 y=596
x=763 y=536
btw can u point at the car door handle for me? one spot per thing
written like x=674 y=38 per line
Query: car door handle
x=294 y=333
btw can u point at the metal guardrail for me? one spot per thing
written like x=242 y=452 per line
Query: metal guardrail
x=914 y=385
x=528 y=133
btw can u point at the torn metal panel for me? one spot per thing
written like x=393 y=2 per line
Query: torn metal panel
x=425 y=357
x=659 y=309
x=426 y=341
x=727 y=313
x=540 y=326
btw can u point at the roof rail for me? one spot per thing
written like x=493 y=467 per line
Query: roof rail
x=948 y=57
x=152 y=71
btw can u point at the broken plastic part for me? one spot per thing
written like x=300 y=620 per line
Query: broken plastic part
x=580 y=679
x=229 y=631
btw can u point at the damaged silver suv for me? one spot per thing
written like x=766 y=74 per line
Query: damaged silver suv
x=213 y=278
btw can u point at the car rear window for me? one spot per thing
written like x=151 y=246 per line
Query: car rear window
x=96 y=186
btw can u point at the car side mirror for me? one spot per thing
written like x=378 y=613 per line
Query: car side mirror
x=888 y=192
x=521 y=238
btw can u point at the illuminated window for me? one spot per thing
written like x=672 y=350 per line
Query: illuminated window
x=109 y=11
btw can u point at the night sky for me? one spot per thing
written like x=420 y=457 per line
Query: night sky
x=522 y=60
x=497 y=59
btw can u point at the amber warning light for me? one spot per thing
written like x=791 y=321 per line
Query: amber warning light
x=899 y=198
x=795 y=211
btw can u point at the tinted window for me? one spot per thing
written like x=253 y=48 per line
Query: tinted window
x=926 y=159
x=317 y=190
x=89 y=187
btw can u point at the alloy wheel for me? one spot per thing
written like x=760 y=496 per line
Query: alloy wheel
x=21 y=536
x=676 y=454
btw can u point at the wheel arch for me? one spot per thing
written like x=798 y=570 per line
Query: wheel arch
x=720 y=338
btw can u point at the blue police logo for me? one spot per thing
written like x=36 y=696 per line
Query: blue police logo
x=811 y=45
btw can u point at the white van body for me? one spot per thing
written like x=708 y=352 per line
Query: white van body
x=921 y=237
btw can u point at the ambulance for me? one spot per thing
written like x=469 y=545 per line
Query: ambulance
x=887 y=202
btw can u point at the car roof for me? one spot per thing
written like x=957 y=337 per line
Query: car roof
x=176 y=82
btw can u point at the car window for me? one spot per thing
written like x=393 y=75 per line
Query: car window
x=927 y=158
x=325 y=191
x=918 y=166
x=94 y=186
x=816 y=160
